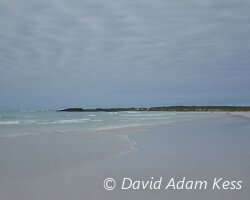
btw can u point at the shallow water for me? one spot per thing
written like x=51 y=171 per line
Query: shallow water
x=24 y=123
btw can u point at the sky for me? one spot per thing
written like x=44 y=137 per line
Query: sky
x=115 y=53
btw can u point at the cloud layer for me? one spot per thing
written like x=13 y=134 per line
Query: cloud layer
x=96 y=53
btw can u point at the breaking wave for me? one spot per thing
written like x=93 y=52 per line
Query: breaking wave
x=9 y=122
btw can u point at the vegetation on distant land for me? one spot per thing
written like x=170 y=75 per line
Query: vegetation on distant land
x=165 y=108
x=73 y=110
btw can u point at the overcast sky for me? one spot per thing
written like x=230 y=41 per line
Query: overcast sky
x=117 y=53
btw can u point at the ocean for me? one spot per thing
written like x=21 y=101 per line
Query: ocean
x=25 y=123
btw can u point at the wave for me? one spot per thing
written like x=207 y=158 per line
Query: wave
x=22 y=110
x=147 y=115
x=18 y=135
x=68 y=121
x=113 y=113
x=96 y=120
x=134 y=112
x=30 y=116
x=147 y=119
x=28 y=122
x=10 y=122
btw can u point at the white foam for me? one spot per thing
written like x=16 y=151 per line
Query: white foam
x=18 y=135
x=30 y=116
x=96 y=120
x=112 y=113
x=28 y=121
x=66 y=121
x=133 y=112
x=151 y=118
x=10 y=122
x=147 y=115
x=69 y=121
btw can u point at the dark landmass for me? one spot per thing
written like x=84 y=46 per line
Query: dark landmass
x=73 y=110
x=165 y=108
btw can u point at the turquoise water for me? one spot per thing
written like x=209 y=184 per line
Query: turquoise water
x=24 y=123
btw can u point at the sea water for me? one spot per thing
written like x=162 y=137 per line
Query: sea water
x=29 y=122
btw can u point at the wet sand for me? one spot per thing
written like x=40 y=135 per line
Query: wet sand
x=74 y=166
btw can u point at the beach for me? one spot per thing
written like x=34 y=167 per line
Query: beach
x=62 y=159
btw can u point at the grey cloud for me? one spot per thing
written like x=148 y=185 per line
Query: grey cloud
x=105 y=53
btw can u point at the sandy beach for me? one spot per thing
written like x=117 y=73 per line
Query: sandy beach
x=74 y=166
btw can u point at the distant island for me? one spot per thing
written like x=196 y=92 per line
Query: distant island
x=165 y=108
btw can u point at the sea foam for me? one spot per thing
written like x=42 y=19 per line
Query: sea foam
x=9 y=122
